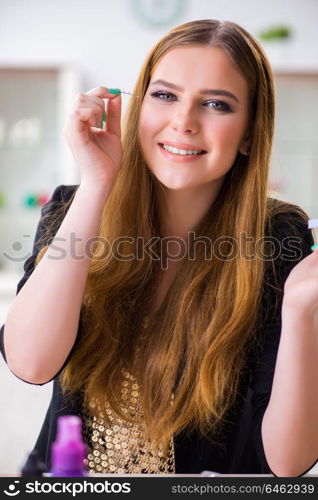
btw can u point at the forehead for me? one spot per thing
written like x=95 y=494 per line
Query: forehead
x=199 y=67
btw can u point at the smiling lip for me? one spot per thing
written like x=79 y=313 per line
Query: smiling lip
x=178 y=158
x=182 y=145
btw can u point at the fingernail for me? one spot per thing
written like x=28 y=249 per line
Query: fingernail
x=114 y=91
x=314 y=247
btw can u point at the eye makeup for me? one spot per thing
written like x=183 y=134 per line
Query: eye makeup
x=163 y=96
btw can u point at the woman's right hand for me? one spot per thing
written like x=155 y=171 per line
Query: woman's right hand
x=98 y=152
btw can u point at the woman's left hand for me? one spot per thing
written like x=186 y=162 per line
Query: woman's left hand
x=301 y=288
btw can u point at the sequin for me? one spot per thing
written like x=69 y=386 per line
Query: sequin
x=120 y=446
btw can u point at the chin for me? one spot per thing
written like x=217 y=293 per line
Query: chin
x=175 y=184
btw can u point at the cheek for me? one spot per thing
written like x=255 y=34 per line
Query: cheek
x=227 y=133
x=150 y=123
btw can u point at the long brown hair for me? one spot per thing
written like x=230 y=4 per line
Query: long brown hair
x=197 y=346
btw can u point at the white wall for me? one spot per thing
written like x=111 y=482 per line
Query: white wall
x=107 y=44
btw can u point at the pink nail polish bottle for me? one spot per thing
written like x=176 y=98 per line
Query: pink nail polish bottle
x=68 y=450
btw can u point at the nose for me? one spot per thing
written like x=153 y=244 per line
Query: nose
x=185 y=121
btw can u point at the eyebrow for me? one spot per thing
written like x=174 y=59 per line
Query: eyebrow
x=221 y=92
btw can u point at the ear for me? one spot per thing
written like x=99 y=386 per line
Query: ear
x=245 y=144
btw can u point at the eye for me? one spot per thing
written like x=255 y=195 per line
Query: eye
x=218 y=105
x=163 y=96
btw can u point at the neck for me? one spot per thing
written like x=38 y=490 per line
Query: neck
x=184 y=209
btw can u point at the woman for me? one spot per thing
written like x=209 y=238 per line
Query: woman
x=167 y=345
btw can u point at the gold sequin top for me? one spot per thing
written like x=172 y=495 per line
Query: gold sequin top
x=121 y=447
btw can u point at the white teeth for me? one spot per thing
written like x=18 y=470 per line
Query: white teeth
x=177 y=151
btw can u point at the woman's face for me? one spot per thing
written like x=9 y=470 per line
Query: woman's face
x=196 y=102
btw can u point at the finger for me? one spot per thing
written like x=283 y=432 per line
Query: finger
x=79 y=122
x=114 y=116
x=86 y=100
x=101 y=92
x=84 y=117
x=97 y=108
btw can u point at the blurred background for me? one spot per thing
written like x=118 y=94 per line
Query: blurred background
x=50 y=51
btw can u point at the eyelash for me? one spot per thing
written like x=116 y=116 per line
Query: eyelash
x=225 y=106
